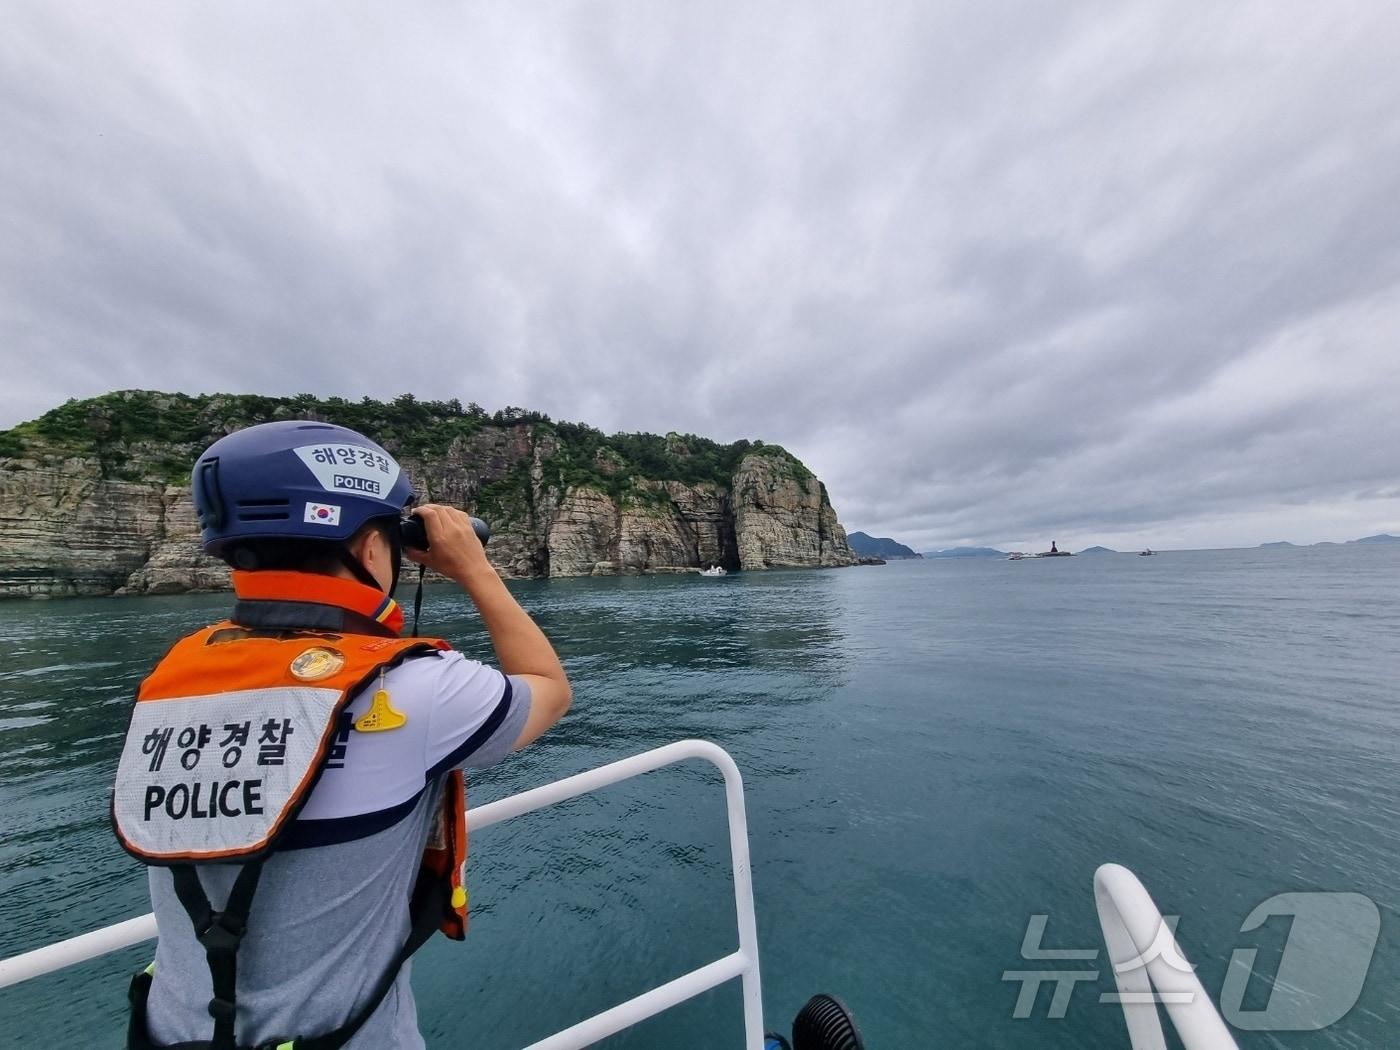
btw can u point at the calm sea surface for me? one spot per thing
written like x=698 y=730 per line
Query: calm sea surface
x=933 y=752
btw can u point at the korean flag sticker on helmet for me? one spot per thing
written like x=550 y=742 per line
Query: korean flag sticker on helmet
x=322 y=514
x=351 y=469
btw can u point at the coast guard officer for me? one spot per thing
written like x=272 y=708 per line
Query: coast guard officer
x=293 y=774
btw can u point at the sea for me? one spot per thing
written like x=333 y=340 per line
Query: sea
x=937 y=756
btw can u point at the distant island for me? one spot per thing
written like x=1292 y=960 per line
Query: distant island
x=867 y=546
x=992 y=552
x=1383 y=537
x=879 y=547
x=966 y=552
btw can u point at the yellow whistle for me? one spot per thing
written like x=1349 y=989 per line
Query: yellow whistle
x=380 y=718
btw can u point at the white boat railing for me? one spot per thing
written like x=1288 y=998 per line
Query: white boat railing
x=1149 y=968
x=1148 y=965
x=742 y=963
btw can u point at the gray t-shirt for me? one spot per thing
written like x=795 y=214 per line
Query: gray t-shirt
x=331 y=910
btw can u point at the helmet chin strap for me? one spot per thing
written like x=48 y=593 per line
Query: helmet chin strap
x=358 y=570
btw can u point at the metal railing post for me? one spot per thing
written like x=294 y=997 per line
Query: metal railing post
x=743 y=897
x=1153 y=968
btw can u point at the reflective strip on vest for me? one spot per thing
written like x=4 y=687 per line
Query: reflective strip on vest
x=204 y=777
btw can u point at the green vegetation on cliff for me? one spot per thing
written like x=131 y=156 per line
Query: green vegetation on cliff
x=136 y=434
x=114 y=425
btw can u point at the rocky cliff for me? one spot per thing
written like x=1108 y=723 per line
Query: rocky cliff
x=94 y=496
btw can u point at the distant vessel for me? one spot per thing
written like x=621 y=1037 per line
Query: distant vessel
x=1053 y=552
x=714 y=570
x=1146 y=553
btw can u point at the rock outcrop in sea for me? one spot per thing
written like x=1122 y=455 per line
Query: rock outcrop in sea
x=94 y=496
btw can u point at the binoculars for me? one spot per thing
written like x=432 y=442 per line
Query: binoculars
x=413 y=533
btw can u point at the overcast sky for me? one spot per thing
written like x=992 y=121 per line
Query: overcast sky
x=1000 y=273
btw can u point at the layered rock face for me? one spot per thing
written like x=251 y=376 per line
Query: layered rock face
x=176 y=562
x=80 y=525
x=783 y=519
x=582 y=534
x=65 y=530
x=665 y=527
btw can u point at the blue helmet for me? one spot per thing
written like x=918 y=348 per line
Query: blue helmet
x=294 y=479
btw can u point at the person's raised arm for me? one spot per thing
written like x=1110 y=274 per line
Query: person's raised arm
x=521 y=648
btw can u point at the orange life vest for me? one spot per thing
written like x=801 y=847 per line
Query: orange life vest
x=228 y=658
x=183 y=796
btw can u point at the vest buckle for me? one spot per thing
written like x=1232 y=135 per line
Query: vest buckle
x=223 y=934
x=221 y=1009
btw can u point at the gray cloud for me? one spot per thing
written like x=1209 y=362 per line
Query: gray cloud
x=1106 y=273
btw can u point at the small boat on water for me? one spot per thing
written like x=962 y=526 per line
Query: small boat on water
x=714 y=570
x=1149 y=552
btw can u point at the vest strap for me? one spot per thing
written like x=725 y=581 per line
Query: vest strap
x=418 y=599
x=220 y=932
x=428 y=914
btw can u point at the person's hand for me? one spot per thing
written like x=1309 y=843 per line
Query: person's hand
x=454 y=550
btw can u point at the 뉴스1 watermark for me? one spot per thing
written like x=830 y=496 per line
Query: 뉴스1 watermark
x=1331 y=941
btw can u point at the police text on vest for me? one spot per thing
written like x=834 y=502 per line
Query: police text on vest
x=192 y=800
